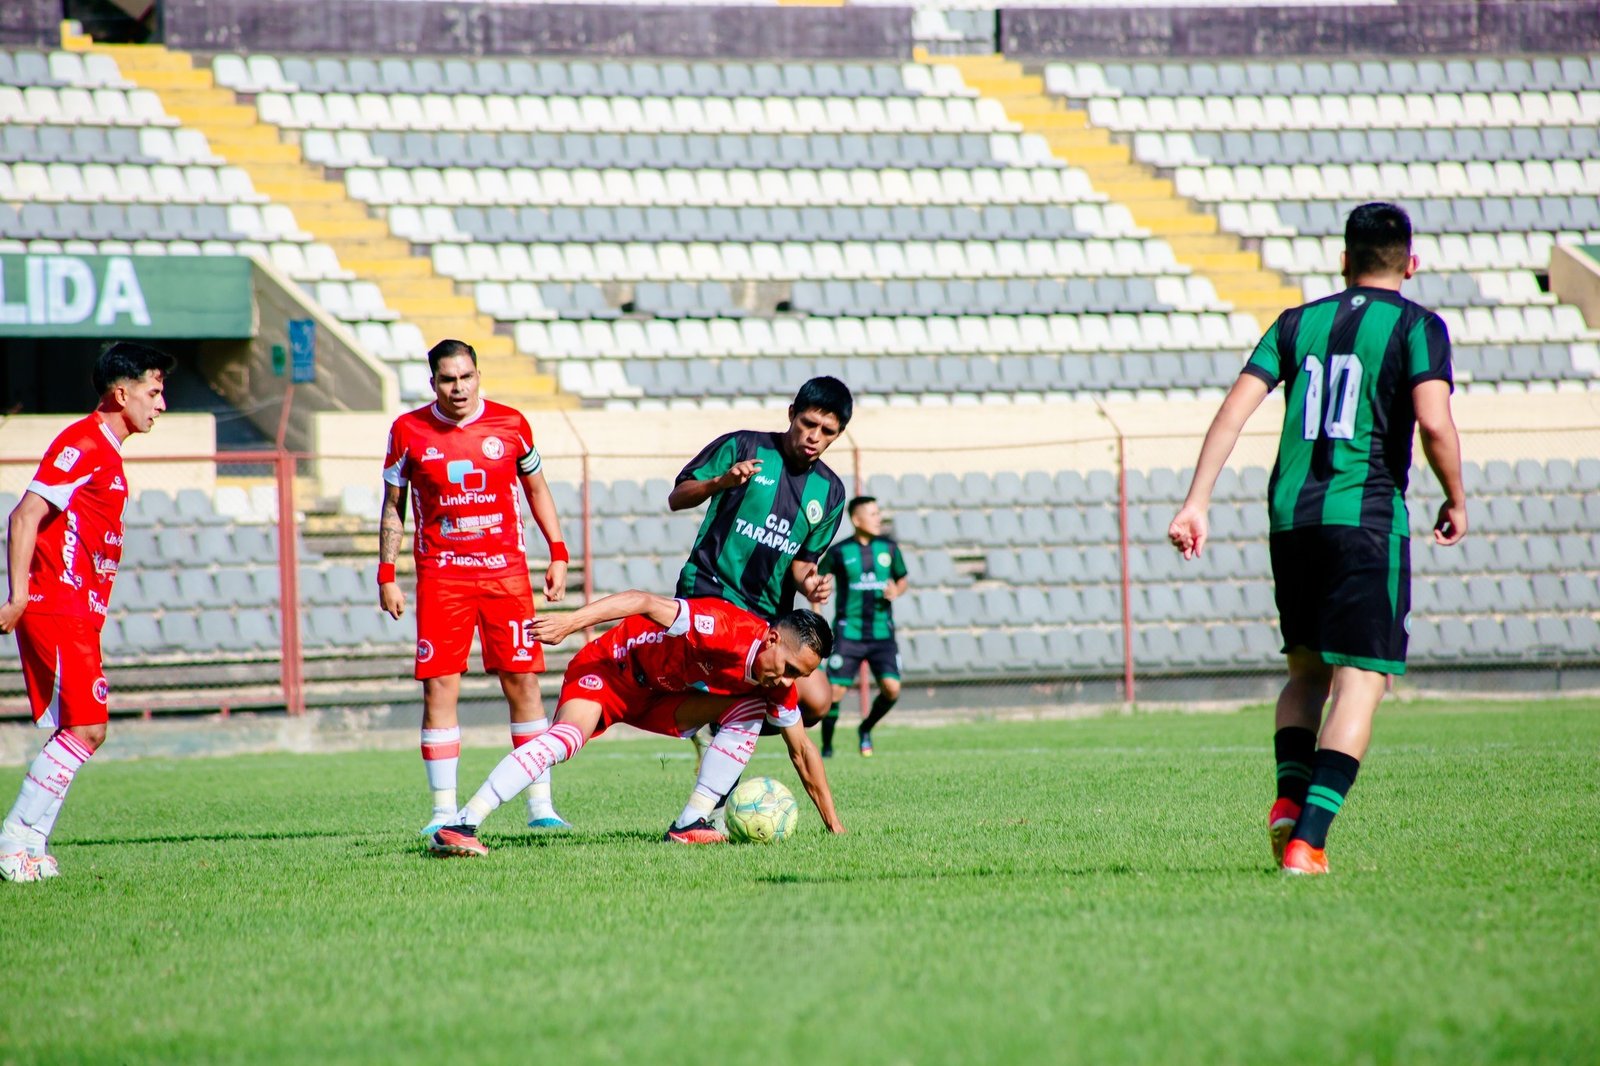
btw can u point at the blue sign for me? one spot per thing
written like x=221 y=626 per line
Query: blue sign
x=302 y=350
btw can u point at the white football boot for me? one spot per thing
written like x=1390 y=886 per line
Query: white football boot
x=18 y=866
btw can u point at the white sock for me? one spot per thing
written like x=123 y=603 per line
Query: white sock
x=520 y=769
x=539 y=802
x=441 y=755
x=725 y=759
x=43 y=790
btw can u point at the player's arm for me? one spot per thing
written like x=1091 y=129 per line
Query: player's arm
x=1442 y=445
x=1190 y=528
x=391 y=530
x=662 y=610
x=542 y=502
x=717 y=468
x=813 y=584
x=23 y=530
x=808 y=764
x=898 y=578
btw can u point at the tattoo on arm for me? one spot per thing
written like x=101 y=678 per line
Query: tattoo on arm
x=391 y=524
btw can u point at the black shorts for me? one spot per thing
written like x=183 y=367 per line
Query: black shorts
x=883 y=656
x=1345 y=593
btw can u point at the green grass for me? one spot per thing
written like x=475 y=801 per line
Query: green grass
x=1026 y=892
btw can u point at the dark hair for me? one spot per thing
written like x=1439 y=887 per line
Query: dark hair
x=809 y=629
x=447 y=349
x=859 y=501
x=825 y=394
x=1377 y=240
x=128 y=361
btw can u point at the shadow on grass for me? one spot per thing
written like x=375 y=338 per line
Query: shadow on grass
x=560 y=839
x=1110 y=870
x=191 y=838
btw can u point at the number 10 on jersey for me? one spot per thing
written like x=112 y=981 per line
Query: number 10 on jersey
x=1342 y=379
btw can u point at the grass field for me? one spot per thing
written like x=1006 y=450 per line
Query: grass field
x=1026 y=892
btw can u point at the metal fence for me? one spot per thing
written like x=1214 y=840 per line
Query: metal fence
x=1040 y=573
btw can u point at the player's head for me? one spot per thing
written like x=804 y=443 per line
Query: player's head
x=796 y=645
x=132 y=379
x=865 y=516
x=454 y=369
x=1377 y=245
x=820 y=411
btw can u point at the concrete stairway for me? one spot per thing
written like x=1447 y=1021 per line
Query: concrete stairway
x=323 y=208
x=1197 y=241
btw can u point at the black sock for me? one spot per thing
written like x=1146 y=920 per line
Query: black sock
x=1335 y=772
x=830 y=722
x=1295 y=748
x=880 y=707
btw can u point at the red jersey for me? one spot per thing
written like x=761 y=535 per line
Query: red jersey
x=463 y=478
x=710 y=647
x=80 y=541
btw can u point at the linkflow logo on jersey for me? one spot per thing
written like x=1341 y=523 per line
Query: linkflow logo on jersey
x=471 y=480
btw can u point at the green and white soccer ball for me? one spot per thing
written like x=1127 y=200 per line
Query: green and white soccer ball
x=760 y=811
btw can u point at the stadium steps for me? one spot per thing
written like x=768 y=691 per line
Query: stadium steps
x=363 y=244
x=1236 y=272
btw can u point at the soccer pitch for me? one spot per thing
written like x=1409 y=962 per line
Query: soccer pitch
x=1009 y=892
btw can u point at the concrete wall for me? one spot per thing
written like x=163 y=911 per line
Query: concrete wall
x=1409 y=28
x=441 y=27
x=30 y=22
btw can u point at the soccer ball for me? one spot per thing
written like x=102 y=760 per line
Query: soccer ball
x=760 y=811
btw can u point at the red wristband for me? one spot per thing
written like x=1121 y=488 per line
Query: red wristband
x=385 y=573
x=558 y=552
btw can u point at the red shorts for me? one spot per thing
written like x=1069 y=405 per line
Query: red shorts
x=500 y=609
x=75 y=695
x=592 y=677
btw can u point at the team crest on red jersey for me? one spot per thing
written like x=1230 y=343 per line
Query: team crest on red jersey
x=493 y=448
x=592 y=682
x=424 y=651
x=102 y=691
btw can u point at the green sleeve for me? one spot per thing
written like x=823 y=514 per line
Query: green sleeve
x=897 y=569
x=1265 y=362
x=1428 y=351
x=713 y=461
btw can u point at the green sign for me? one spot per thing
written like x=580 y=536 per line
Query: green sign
x=117 y=296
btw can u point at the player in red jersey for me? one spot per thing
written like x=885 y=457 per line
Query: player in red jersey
x=461 y=459
x=670 y=667
x=66 y=536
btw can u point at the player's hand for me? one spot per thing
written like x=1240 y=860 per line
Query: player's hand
x=1450 y=527
x=552 y=628
x=739 y=473
x=555 y=582
x=1189 y=531
x=891 y=592
x=817 y=588
x=10 y=614
x=392 y=599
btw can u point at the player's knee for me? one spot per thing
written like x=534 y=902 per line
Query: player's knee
x=890 y=688
x=92 y=735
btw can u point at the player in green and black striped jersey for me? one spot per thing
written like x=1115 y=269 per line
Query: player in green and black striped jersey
x=775 y=507
x=1361 y=370
x=869 y=574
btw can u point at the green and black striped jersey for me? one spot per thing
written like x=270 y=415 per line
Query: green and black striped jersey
x=753 y=532
x=861 y=571
x=1348 y=363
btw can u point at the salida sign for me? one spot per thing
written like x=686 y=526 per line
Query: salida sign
x=125 y=296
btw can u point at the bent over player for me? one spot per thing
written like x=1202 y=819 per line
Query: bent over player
x=775 y=506
x=1360 y=369
x=461 y=458
x=870 y=574
x=670 y=667
x=66 y=541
